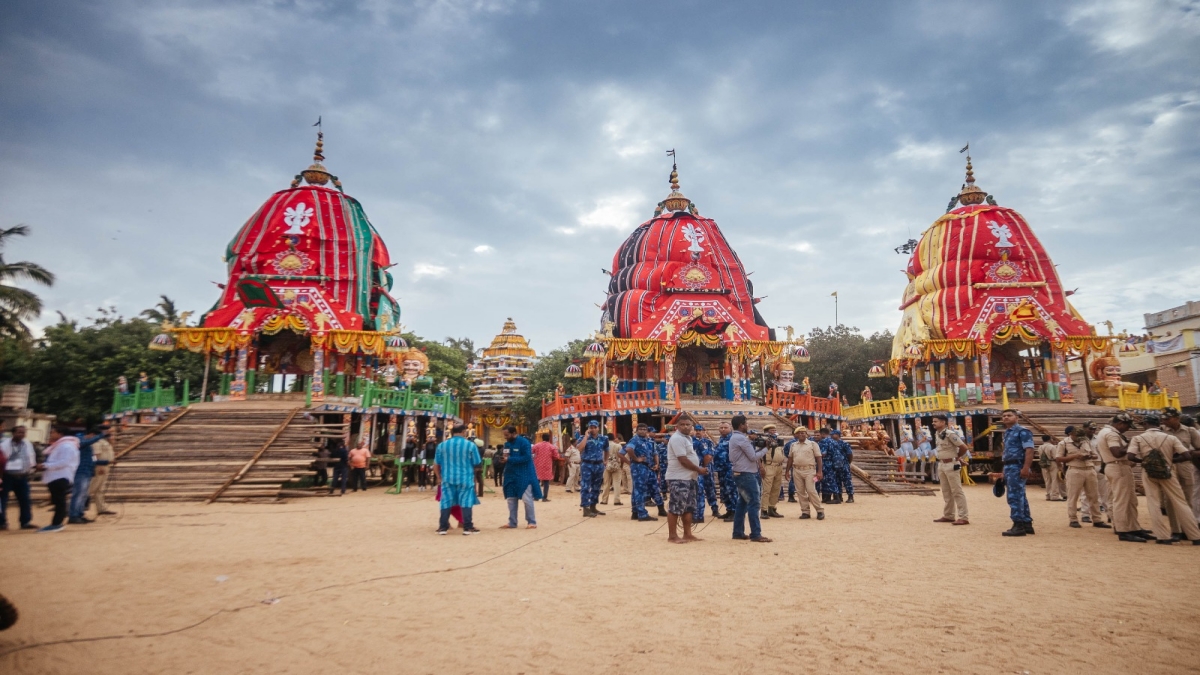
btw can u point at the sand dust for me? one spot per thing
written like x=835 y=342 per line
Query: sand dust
x=355 y=584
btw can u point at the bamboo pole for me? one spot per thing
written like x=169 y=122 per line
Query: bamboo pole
x=152 y=434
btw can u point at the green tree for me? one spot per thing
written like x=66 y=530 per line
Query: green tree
x=449 y=362
x=545 y=377
x=464 y=345
x=163 y=311
x=72 y=369
x=18 y=305
x=843 y=355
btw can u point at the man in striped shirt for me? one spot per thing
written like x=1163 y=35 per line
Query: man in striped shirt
x=454 y=465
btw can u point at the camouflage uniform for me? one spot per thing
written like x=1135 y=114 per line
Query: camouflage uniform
x=845 y=477
x=831 y=455
x=592 y=470
x=661 y=476
x=704 y=448
x=724 y=474
x=644 y=483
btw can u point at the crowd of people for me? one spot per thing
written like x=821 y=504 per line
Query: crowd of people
x=737 y=475
x=740 y=476
x=1091 y=469
x=74 y=467
x=749 y=473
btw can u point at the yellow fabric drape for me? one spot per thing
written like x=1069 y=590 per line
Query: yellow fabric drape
x=622 y=349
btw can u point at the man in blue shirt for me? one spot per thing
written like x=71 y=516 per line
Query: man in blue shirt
x=593 y=453
x=83 y=478
x=454 y=464
x=1018 y=458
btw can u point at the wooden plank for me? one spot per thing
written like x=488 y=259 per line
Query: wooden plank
x=862 y=475
x=238 y=476
x=152 y=434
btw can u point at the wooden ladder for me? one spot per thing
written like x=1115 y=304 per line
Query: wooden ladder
x=152 y=434
x=253 y=460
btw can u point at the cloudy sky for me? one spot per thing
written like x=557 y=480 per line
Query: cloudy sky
x=505 y=149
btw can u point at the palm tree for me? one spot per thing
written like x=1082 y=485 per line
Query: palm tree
x=163 y=311
x=18 y=305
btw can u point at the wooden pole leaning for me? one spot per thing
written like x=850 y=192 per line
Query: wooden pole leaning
x=253 y=460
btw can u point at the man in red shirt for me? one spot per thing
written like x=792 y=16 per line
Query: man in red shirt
x=544 y=454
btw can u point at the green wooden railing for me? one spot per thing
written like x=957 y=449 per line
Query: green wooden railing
x=407 y=399
x=155 y=398
x=369 y=393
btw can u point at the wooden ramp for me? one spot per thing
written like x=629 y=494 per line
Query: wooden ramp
x=229 y=454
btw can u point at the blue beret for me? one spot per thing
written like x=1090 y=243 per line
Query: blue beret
x=593 y=423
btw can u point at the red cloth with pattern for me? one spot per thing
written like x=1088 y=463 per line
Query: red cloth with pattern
x=544 y=454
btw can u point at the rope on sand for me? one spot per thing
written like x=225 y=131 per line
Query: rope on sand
x=272 y=600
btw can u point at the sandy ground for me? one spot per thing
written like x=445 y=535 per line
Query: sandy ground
x=363 y=585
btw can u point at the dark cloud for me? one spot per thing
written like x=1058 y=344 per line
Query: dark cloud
x=504 y=149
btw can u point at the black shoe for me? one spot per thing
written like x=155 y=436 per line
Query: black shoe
x=599 y=512
x=75 y=521
x=820 y=515
x=647 y=519
x=29 y=526
x=3 y=526
x=728 y=517
x=1015 y=531
x=588 y=512
x=634 y=516
x=791 y=500
x=1075 y=525
x=743 y=537
x=1125 y=536
x=1148 y=534
x=1164 y=542
x=662 y=511
x=850 y=499
x=805 y=516
x=1028 y=528
x=824 y=499
x=1196 y=542
x=1177 y=536
x=1086 y=519
x=1103 y=526
x=775 y=514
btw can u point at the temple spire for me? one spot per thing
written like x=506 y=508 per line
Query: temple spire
x=316 y=173
x=675 y=201
x=970 y=194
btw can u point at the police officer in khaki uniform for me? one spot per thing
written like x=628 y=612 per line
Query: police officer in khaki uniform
x=772 y=482
x=614 y=472
x=1162 y=491
x=949 y=449
x=1190 y=438
x=1112 y=445
x=804 y=466
x=1047 y=451
x=1089 y=430
x=1077 y=455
